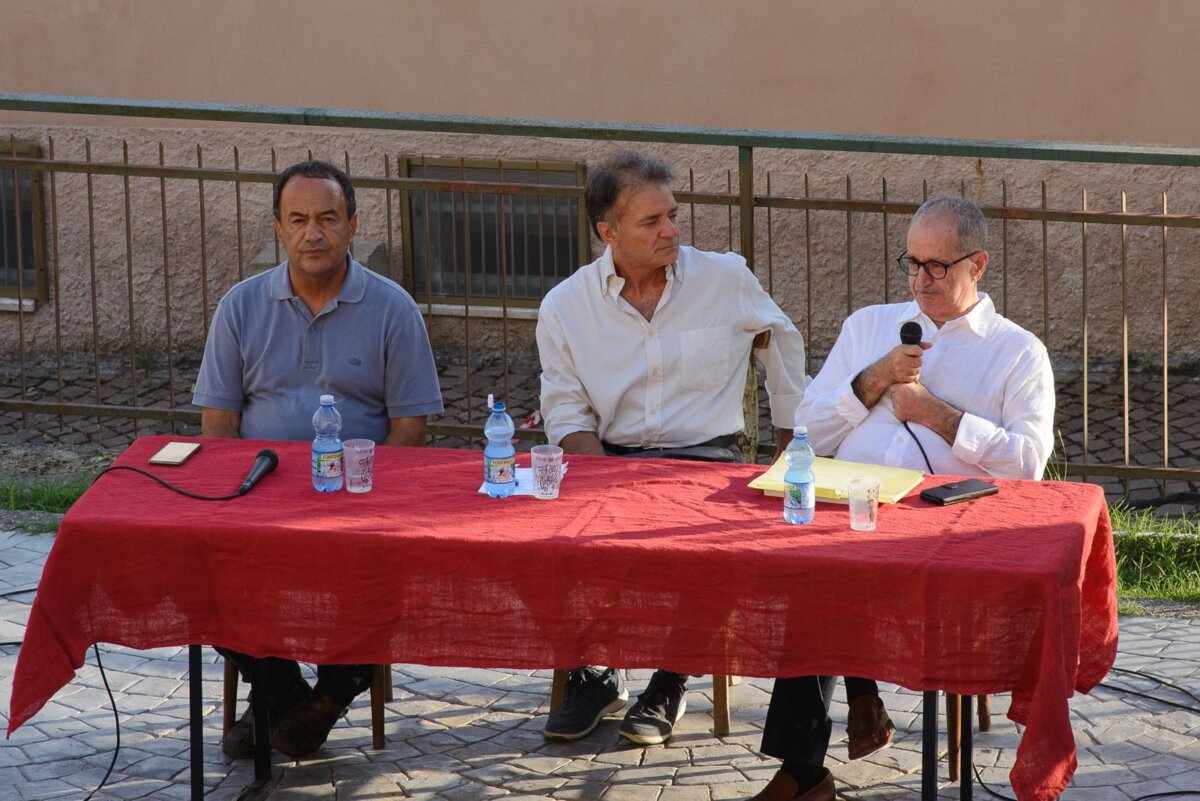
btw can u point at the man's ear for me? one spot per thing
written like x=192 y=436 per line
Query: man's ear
x=980 y=262
x=607 y=232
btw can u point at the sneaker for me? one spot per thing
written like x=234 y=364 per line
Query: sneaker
x=652 y=719
x=592 y=693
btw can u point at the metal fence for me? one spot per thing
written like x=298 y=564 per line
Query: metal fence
x=103 y=351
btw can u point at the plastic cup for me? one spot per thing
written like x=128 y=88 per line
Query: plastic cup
x=360 y=464
x=864 y=503
x=547 y=471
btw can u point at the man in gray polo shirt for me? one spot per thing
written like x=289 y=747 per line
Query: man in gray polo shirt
x=320 y=323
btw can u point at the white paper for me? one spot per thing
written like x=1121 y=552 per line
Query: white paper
x=524 y=481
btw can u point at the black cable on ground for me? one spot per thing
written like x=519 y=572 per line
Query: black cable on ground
x=1125 y=690
x=116 y=722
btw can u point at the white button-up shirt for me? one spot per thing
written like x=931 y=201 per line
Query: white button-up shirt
x=995 y=372
x=674 y=380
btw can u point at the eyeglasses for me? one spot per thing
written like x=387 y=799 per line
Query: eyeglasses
x=934 y=269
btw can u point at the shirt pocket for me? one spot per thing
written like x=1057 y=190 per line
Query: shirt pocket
x=704 y=357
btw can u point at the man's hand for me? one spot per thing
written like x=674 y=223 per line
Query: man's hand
x=912 y=402
x=582 y=442
x=900 y=365
x=408 y=431
x=220 y=423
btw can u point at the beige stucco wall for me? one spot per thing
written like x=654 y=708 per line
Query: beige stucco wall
x=1124 y=71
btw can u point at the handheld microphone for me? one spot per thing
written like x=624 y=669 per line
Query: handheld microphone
x=910 y=333
x=264 y=463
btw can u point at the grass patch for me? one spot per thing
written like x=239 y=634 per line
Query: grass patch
x=42 y=494
x=1157 y=557
x=33 y=527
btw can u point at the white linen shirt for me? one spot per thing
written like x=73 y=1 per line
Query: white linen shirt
x=995 y=372
x=674 y=380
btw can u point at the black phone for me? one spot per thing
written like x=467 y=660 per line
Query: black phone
x=959 y=491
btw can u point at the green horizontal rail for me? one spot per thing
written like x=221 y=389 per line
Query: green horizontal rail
x=568 y=129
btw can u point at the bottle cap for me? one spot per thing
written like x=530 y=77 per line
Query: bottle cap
x=800 y=431
x=326 y=400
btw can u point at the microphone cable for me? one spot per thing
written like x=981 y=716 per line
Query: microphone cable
x=920 y=447
x=167 y=484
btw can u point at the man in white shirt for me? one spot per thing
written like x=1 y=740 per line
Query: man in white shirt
x=644 y=353
x=974 y=397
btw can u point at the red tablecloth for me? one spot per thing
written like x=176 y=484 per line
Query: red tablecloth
x=639 y=563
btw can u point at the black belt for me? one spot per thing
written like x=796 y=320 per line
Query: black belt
x=726 y=441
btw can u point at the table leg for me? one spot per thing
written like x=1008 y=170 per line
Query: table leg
x=195 y=721
x=262 y=723
x=929 y=754
x=966 y=780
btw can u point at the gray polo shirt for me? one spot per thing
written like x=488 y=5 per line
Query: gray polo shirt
x=270 y=359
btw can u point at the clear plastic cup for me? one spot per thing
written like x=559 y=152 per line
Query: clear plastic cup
x=359 y=464
x=864 y=503
x=547 y=471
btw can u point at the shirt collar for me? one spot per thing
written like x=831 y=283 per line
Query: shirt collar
x=611 y=283
x=352 y=291
x=977 y=319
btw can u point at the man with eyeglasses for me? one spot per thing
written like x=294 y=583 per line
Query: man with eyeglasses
x=974 y=397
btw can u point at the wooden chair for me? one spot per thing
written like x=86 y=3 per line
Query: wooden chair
x=954 y=724
x=749 y=448
x=381 y=693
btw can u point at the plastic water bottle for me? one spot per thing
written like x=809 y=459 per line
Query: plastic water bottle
x=327 y=448
x=799 y=485
x=499 y=456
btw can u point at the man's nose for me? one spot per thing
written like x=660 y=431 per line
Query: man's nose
x=670 y=230
x=312 y=231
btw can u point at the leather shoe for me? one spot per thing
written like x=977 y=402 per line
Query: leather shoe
x=238 y=742
x=869 y=728
x=307 y=727
x=783 y=787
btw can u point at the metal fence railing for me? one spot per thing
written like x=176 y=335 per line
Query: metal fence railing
x=143 y=238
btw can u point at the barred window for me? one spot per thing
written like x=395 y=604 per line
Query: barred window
x=462 y=242
x=21 y=246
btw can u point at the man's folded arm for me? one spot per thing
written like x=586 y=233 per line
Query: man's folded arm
x=1020 y=446
x=830 y=409
x=566 y=409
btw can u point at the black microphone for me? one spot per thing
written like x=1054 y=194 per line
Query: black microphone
x=264 y=463
x=910 y=333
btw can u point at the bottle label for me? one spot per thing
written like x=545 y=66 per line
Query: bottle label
x=327 y=465
x=501 y=470
x=799 y=496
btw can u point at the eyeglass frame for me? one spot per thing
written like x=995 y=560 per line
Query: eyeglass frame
x=925 y=264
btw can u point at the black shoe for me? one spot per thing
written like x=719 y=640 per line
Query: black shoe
x=652 y=719
x=591 y=694
x=238 y=742
x=307 y=727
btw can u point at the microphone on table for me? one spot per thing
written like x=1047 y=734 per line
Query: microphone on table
x=910 y=333
x=264 y=463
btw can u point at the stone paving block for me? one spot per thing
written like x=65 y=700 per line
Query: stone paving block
x=632 y=792
x=45 y=790
x=861 y=774
x=472 y=792
x=734 y=791
x=693 y=792
x=707 y=775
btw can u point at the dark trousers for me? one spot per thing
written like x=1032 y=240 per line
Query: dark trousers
x=798 y=725
x=341 y=682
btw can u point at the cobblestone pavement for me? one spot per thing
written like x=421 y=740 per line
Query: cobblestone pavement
x=465 y=391
x=471 y=734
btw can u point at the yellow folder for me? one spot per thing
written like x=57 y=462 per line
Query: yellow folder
x=832 y=476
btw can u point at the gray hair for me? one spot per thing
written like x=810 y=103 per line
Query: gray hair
x=972 y=227
x=619 y=172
